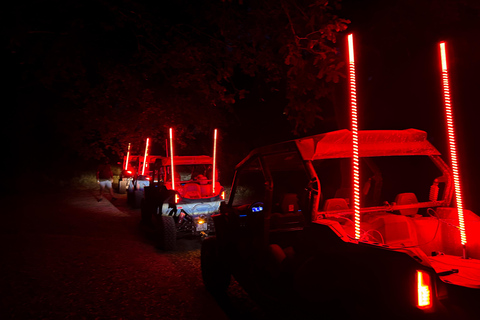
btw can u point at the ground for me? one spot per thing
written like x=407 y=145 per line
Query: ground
x=67 y=256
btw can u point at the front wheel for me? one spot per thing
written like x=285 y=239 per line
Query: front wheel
x=137 y=198
x=146 y=212
x=166 y=232
x=215 y=274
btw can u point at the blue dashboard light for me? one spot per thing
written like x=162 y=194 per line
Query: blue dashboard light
x=257 y=209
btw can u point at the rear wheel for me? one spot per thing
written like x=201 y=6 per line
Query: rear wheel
x=215 y=274
x=122 y=186
x=146 y=212
x=130 y=198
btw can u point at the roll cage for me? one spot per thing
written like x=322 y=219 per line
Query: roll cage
x=337 y=145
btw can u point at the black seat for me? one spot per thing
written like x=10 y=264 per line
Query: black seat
x=290 y=216
x=289 y=203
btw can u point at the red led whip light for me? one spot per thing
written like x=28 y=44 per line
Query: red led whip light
x=452 y=143
x=355 y=155
x=145 y=156
x=171 y=159
x=214 y=159
x=128 y=156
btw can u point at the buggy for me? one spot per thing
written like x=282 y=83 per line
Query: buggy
x=287 y=233
x=188 y=206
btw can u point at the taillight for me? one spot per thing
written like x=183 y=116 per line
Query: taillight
x=424 y=290
x=222 y=195
x=177 y=198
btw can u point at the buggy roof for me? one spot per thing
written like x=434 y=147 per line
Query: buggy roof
x=338 y=144
x=178 y=160
x=187 y=160
x=371 y=143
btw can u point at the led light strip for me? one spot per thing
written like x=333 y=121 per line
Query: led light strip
x=145 y=156
x=171 y=159
x=214 y=160
x=452 y=143
x=355 y=155
x=128 y=157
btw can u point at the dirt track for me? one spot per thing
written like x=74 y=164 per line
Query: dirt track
x=68 y=256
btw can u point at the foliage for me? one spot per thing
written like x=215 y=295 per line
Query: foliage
x=124 y=70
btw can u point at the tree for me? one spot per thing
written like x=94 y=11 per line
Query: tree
x=125 y=70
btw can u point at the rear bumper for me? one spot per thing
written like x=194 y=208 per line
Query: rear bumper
x=199 y=208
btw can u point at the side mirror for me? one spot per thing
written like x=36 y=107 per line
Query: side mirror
x=223 y=207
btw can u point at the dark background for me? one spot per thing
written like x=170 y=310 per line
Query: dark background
x=399 y=80
x=398 y=84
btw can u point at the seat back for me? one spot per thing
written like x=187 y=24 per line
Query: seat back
x=289 y=203
x=407 y=198
x=290 y=217
x=191 y=190
x=206 y=190
x=335 y=204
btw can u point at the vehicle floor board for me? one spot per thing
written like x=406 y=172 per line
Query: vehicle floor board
x=468 y=274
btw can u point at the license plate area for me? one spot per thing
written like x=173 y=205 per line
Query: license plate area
x=201 y=226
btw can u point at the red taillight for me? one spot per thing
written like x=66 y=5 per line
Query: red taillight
x=424 y=290
x=222 y=195
x=129 y=172
x=177 y=198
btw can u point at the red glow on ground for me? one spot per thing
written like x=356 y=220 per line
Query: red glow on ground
x=214 y=159
x=145 y=156
x=171 y=160
x=128 y=156
x=452 y=142
x=354 y=122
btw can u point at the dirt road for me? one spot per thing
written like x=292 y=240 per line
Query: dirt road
x=68 y=256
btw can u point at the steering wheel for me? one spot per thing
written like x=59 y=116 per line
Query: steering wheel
x=257 y=206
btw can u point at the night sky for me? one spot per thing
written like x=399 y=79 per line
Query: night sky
x=398 y=80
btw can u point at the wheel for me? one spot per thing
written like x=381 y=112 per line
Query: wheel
x=138 y=196
x=122 y=186
x=131 y=198
x=146 y=212
x=215 y=274
x=166 y=232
